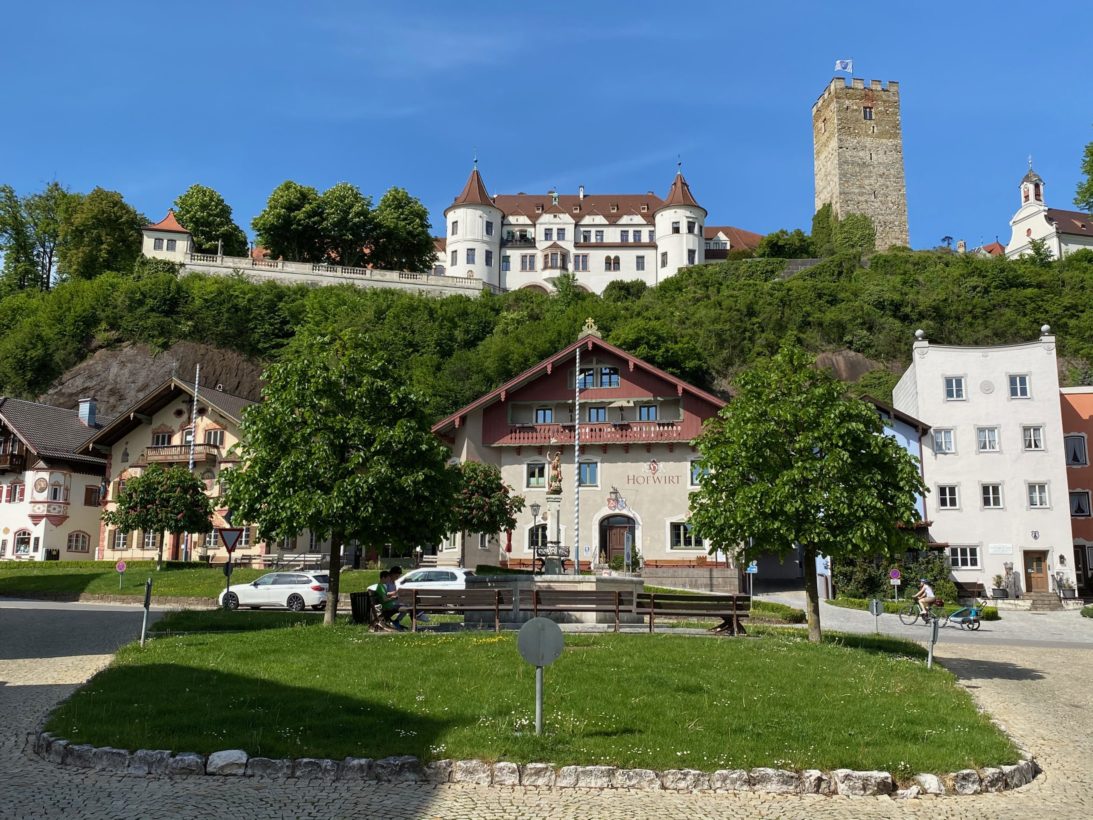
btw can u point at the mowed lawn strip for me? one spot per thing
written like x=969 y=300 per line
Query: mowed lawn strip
x=100 y=578
x=659 y=701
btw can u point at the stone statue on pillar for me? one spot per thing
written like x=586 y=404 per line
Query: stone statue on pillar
x=554 y=480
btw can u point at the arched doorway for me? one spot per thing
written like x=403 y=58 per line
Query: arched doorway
x=613 y=530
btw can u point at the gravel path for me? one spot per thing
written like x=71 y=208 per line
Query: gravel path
x=1041 y=693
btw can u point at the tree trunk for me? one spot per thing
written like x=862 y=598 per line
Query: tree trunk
x=335 y=572
x=812 y=597
x=159 y=553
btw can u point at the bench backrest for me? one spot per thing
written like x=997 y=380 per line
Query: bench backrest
x=676 y=602
x=590 y=599
x=456 y=598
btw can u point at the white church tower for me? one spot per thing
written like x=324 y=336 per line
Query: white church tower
x=679 y=223
x=474 y=233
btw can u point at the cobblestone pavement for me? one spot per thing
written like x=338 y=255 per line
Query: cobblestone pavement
x=1041 y=693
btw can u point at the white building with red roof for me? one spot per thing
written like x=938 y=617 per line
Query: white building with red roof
x=521 y=240
x=1063 y=231
x=167 y=239
x=637 y=466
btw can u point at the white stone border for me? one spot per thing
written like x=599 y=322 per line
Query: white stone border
x=408 y=769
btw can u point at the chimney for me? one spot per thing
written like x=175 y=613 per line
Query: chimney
x=580 y=193
x=87 y=412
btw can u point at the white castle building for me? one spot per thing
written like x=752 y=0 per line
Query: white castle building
x=513 y=241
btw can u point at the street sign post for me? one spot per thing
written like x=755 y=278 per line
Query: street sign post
x=752 y=570
x=628 y=544
x=894 y=580
x=229 y=536
x=875 y=609
x=540 y=642
x=147 y=604
x=120 y=567
x=934 y=628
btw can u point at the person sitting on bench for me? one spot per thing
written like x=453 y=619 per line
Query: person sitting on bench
x=387 y=598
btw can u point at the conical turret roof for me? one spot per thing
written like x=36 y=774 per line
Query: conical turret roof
x=680 y=193
x=474 y=192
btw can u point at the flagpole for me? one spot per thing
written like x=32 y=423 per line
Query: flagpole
x=577 y=466
x=193 y=436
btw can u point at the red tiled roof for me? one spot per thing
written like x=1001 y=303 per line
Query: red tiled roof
x=738 y=237
x=995 y=248
x=440 y=243
x=1071 y=222
x=612 y=207
x=680 y=193
x=168 y=224
x=561 y=356
x=474 y=192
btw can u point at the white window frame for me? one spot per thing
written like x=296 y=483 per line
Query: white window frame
x=157 y=439
x=153 y=538
x=957 y=381
x=683 y=523
x=964 y=556
x=979 y=439
x=1045 y=496
x=528 y=530
x=483 y=541
x=1037 y=431
x=589 y=461
x=1014 y=381
x=951 y=449
x=956 y=496
x=214 y=437
x=695 y=473
x=1001 y=505
x=24 y=548
x=122 y=537
x=80 y=536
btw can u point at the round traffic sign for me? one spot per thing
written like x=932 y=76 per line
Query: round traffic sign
x=540 y=642
x=894 y=574
x=120 y=566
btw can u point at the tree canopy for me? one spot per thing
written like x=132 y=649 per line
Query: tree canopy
x=290 y=226
x=30 y=235
x=790 y=460
x=1083 y=196
x=101 y=233
x=403 y=239
x=205 y=214
x=484 y=502
x=161 y=499
x=342 y=447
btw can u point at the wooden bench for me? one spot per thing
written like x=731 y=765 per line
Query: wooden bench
x=589 y=600
x=731 y=609
x=452 y=601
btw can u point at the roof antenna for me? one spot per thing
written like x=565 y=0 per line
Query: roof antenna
x=476 y=159
x=1030 y=162
x=679 y=164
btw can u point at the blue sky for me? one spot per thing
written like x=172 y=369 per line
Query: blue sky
x=149 y=98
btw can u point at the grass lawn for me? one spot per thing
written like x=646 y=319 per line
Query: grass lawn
x=99 y=577
x=658 y=701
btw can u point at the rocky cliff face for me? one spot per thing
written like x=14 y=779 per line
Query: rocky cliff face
x=117 y=377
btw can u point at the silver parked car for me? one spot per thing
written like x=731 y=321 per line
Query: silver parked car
x=295 y=590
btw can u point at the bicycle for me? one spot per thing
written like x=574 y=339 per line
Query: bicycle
x=969 y=616
x=911 y=614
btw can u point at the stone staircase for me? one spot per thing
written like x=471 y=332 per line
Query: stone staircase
x=1044 y=602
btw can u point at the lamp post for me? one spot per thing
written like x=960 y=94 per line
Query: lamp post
x=577 y=466
x=535 y=506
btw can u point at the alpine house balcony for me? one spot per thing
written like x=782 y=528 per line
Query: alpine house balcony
x=180 y=453
x=630 y=432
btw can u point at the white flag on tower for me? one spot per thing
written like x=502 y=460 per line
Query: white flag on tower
x=844 y=65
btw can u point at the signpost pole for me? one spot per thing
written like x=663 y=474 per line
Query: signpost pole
x=933 y=639
x=147 y=603
x=538 y=700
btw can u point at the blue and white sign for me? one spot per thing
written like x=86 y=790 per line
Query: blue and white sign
x=753 y=568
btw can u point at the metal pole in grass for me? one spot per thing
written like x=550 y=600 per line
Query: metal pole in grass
x=147 y=604
x=934 y=625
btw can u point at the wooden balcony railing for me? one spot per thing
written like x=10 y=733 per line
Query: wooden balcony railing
x=179 y=453
x=596 y=433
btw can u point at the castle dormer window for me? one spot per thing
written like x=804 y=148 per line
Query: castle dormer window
x=644 y=208
x=614 y=207
x=675 y=227
x=867 y=112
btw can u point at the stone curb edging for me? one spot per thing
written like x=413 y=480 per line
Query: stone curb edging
x=101 y=598
x=408 y=769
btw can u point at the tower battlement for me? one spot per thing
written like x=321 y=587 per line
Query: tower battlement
x=838 y=84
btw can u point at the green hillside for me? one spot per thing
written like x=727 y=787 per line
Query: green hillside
x=702 y=324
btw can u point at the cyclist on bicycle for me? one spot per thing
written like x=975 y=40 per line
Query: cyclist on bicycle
x=925 y=597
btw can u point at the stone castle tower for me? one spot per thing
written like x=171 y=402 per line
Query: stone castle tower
x=858 y=154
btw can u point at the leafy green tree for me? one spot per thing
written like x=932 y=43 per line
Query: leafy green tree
x=783 y=244
x=624 y=290
x=30 y=234
x=403 y=239
x=16 y=242
x=791 y=460
x=205 y=214
x=1083 y=196
x=101 y=232
x=662 y=345
x=484 y=503
x=290 y=226
x=823 y=231
x=339 y=446
x=162 y=499
x=348 y=224
x=1039 y=253
x=855 y=234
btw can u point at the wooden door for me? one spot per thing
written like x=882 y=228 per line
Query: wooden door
x=1036 y=571
x=616 y=542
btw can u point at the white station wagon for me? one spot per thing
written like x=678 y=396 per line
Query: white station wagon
x=435 y=578
x=295 y=590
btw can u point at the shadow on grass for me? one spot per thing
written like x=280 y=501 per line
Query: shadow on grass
x=880 y=644
x=57 y=586
x=188 y=621
x=967 y=669
x=183 y=708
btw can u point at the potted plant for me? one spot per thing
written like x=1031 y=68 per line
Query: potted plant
x=1066 y=588
x=998 y=591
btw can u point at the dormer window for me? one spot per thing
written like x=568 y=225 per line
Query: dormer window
x=644 y=208
x=538 y=209
x=614 y=207
x=576 y=209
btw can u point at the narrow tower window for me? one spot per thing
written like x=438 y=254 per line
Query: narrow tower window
x=867 y=112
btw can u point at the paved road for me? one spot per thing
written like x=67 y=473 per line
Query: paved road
x=46 y=650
